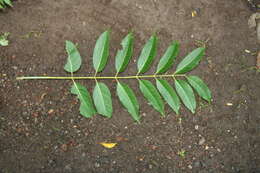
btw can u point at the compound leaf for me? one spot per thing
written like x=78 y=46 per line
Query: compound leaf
x=200 y=87
x=152 y=95
x=168 y=58
x=86 y=105
x=101 y=52
x=123 y=56
x=147 y=55
x=102 y=99
x=74 y=59
x=168 y=94
x=129 y=100
x=186 y=94
x=190 y=61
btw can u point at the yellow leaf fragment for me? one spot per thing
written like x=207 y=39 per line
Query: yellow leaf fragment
x=108 y=145
x=194 y=13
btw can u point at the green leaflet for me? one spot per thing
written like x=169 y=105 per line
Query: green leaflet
x=186 y=94
x=190 y=61
x=3 y=3
x=74 y=59
x=8 y=2
x=152 y=95
x=168 y=94
x=86 y=105
x=129 y=100
x=101 y=52
x=102 y=99
x=200 y=87
x=123 y=56
x=147 y=55
x=168 y=58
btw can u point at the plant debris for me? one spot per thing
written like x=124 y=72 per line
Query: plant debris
x=3 y=39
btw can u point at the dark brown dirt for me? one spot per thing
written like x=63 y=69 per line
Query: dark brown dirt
x=40 y=126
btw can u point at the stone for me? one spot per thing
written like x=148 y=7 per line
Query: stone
x=202 y=141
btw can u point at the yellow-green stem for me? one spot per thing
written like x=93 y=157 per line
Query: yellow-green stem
x=95 y=77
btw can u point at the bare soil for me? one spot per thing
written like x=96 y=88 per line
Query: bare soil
x=41 y=129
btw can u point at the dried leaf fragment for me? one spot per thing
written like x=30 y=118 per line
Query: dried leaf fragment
x=194 y=13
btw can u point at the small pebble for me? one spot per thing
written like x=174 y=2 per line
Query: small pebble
x=68 y=168
x=97 y=165
x=197 y=164
x=52 y=163
x=196 y=127
x=229 y=104
x=190 y=167
x=247 y=51
x=202 y=141
x=15 y=67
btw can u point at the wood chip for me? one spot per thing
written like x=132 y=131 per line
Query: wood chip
x=64 y=147
x=50 y=111
x=258 y=61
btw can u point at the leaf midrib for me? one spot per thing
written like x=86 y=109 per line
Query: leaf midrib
x=201 y=89
x=128 y=50
x=153 y=95
x=191 y=60
x=103 y=103
x=102 y=53
x=70 y=62
x=167 y=89
x=167 y=59
x=185 y=95
x=198 y=86
x=125 y=51
x=150 y=52
x=132 y=105
x=83 y=100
